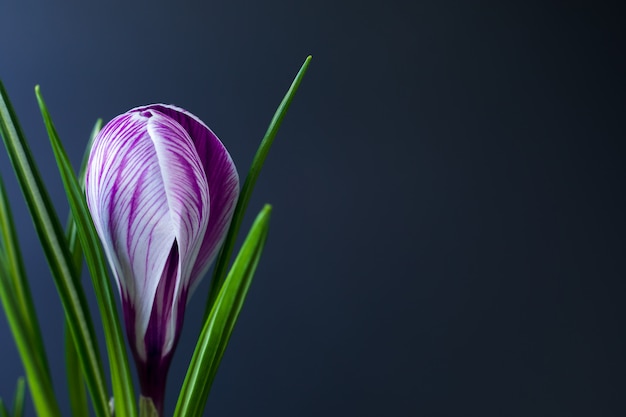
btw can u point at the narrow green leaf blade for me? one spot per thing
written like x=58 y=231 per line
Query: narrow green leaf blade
x=55 y=247
x=221 y=320
x=18 y=306
x=14 y=263
x=246 y=191
x=3 y=409
x=123 y=390
x=38 y=381
x=75 y=382
x=11 y=252
x=71 y=232
x=20 y=396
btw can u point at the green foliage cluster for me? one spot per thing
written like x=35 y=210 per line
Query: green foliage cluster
x=65 y=250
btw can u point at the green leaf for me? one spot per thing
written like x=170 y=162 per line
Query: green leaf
x=75 y=381
x=18 y=402
x=3 y=409
x=57 y=253
x=123 y=390
x=71 y=232
x=221 y=320
x=12 y=257
x=246 y=191
x=39 y=382
x=14 y=263
x=22 y=322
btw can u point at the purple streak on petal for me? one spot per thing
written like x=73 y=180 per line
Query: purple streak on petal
x=146 y=188
x=152 y=370
x=137 y=237
x=222 y=179
x=116 y=166
x=153 y=175
x=188 y=199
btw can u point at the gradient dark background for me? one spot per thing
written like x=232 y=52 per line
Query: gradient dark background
x=448 y=186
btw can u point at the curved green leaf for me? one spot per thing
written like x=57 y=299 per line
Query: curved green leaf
x=75 y=381
x=246 y=191
x=20 y=312
x=221 y=320
x=38 y=380
x=57 y=253
x=20 y=396
x=18 y=289
x=123 y=390
x=15 y=264
x=3 y=410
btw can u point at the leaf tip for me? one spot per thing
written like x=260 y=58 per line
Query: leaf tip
x=39 y=97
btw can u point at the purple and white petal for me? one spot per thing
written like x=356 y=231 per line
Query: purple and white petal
x=188 y=198
x=222 y=179
x=147 y=191
x=161 y=189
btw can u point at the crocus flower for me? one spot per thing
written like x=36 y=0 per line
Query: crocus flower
x=161 y=189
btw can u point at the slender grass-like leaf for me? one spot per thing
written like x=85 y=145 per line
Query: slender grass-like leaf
x=246 y=191
x=75 y=382
x=23 y=325
x=38 y=381
x=18 y=400
x=3 y=410
x=221 y=321
x=12 y=255
x=57 y=253
x=71 y=232
x=15 y=266
x=123 y=390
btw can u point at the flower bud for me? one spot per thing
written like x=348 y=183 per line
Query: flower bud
x=161 y=189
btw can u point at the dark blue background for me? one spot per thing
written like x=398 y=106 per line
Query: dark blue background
x=448 y=232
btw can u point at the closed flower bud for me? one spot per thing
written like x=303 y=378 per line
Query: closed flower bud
x=161 y=189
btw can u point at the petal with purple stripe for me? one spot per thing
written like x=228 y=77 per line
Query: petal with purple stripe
x=222 y=179
x=147 y=192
